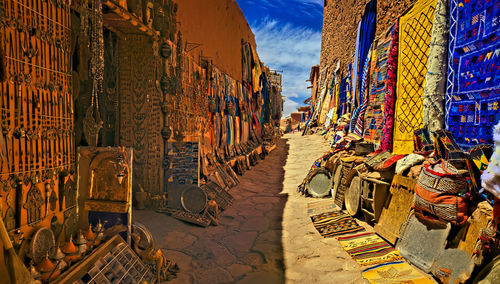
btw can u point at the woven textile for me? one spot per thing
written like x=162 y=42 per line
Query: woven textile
x=369 y=249
x=323 y=206
x=390 y=86
x=395 y=272
x=388 y=163
x=414 y=38
x=422 y=142
x=377 y=159
x=446 y=147
x=360 y=115
x=374 y=116
x=439 y=191
x=343 y=91
x=473 y=92
x=366 y=36
x=335 y=223
x=435 y=79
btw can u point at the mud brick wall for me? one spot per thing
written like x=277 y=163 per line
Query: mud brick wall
x=218 y=26
x=340 y=23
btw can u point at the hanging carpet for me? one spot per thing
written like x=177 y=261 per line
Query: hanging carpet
x=473 y=92
x=414 y=37
x=374 y=115
x=390 y=87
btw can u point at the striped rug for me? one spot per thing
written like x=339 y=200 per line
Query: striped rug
x=318 y=207
x=335 y=223
x=369 y=249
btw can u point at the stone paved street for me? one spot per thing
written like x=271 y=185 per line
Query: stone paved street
x=266 y=236
x=310 y=258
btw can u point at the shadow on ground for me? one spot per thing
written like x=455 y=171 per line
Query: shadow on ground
x=246 y=247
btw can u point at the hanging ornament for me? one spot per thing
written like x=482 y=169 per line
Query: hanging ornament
x=92 y=123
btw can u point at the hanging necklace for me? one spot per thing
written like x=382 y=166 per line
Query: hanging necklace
x=92 y=123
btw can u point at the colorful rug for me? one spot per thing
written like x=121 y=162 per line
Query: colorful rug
x=335 y=223
x=374 y=115
x=369 y=249
x=366 y=35
x=323 y=206
x=414 y=39
x=390 y=86
x=473 y=91
x=395 y=272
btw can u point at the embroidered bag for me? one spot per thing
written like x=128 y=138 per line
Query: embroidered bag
x=447 y=148
x=422 y=142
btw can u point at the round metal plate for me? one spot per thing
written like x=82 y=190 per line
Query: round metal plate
x=194 y=199
x=353 y=196
x=43 y=242
x=336 y=180
x=146 y=242
x=319 y=184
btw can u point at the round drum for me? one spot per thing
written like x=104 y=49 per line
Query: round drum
x=353 y=196
x=319 y=183
x=336 y=179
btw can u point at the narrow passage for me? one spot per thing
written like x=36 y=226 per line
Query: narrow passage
x=246 y=246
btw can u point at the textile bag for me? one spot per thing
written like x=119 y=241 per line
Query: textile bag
x=447 y=148
x=478 y=161
x=422 y=142
x=439 y=192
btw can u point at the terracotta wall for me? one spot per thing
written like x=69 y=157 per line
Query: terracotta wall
x=219 y=26
x=340 y=23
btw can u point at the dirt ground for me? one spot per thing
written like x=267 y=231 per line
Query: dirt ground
x=266 y=236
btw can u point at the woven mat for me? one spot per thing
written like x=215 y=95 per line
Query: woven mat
x=394 y=272
x=335 y=223
x=322 y=206
x=369 y=249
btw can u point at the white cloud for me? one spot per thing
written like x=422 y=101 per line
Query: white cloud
x=319 y=2
x=292 y=49
x=289 y=106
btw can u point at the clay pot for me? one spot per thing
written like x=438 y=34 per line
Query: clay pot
x=140 y=198
x=47 y=269
x=90 y=236
x=71 y=251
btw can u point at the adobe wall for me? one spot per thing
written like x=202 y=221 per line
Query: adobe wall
x=340 y=23
x=219 y=26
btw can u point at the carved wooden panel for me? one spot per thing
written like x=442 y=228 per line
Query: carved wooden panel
x=140 y=115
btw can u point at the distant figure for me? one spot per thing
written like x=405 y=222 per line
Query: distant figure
x=288 y=128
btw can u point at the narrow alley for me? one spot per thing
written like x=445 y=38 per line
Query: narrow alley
x=266 y=229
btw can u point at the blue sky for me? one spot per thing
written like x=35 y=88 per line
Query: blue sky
x=288 y=36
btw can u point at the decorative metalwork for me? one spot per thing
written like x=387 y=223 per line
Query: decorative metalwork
x=33 y=205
